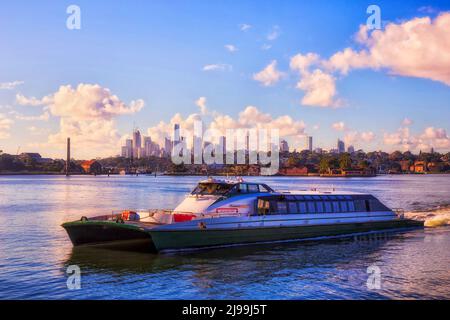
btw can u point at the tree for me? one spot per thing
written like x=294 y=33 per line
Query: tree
x=345 y=162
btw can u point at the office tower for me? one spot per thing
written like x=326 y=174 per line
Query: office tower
x=129 y=147
x=167 y=146
x=284 y=147
x=137 y=144
x=351 y=149
x=309 y=143
x=176 y=134
x=340 y=146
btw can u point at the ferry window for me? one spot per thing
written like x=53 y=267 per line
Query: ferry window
x=242 y=188
x=341 y=197
x=253 y=188
x=302 y=207
x=333 y=197
x=348 y=197
x=324 y=197
x=316 y=197
x=351 y=206
x=360 y=205
x=262 y=188
x=319 y=206
x=328 y=207
x=344 y=206
x=311 y=207
x=212 y=188
x=263 y=207
x=293 y=207
x=299 y=197
x=336 y=206
x=282 y=207
x=308 y=197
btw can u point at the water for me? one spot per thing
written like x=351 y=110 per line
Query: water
x=35 y=251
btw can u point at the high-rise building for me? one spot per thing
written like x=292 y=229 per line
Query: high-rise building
x=351 y=149
x=176 y=134
x=137 y=144
x=168 y=146
x=284 y=147
x=340 y=146
x=309 y=143
x=129 y=147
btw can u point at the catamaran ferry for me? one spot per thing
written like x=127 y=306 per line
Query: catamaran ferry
x=235 y=212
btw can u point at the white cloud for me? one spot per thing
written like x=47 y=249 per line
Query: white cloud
x=42 y=117
x=231 y=48
x=33 y=101
x=431 y=137
x=319 y=86
x=251 y=117
x=339 y=126
x=87 y=115
x=320 y=89
x=274 y=33
x=10 y=85
x=266 y=46
x=355 y=137
x=201 y=103
x=5 y=125
x=269 y=75
x=217 y=67
x=407 y=122
x=245 y=27
x=419 y=48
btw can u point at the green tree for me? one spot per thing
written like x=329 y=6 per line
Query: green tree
x=345 y=162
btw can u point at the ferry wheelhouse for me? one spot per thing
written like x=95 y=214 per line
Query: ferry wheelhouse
x=234 y=212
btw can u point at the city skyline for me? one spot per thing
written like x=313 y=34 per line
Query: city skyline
x=270 y=70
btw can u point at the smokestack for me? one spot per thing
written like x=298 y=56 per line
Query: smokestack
x=68 y=157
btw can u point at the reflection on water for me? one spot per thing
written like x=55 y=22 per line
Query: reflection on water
x=36 y=251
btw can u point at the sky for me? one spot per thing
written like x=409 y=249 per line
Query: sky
x=306 y=68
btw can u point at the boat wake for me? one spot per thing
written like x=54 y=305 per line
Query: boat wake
x=435 y=217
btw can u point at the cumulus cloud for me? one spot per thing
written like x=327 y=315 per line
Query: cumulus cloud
x=339 y=126
x=231 y=48
x=269 y=75
x=419 y=48
x=319 y=86
x=320 y=89
x=10 y=85
x=33 y=101
x=87 y=115
x=353 y=137
x=5 y=125
x=217 y=67
x=431 y=137
x=201 y=103
x=42 y=117
x=250 y=118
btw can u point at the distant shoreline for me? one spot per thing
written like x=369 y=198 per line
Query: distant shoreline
x=28 y=173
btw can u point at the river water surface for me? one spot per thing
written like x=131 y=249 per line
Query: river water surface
x=35 y=250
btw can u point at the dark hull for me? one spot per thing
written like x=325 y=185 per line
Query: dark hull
x=187 y=239
x=106 y=234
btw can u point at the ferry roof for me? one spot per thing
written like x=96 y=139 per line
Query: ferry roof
x=321 y=192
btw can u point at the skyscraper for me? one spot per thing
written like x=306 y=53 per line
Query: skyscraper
x=167 y=146
x=351 y=149
x=176 y=134
x=284 y=147
x=137 y=144
x=340 y=146
x=309 y=143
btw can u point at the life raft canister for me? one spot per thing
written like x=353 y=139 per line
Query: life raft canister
x=130 y=215
x=181 y=217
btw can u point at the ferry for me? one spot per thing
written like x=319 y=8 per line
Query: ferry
x=235 y=212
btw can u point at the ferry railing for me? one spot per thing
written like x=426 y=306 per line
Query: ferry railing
x=399 y=212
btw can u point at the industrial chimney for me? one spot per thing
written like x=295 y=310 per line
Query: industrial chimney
x=68 y=157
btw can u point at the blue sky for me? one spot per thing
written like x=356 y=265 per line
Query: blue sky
x=155 y=51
